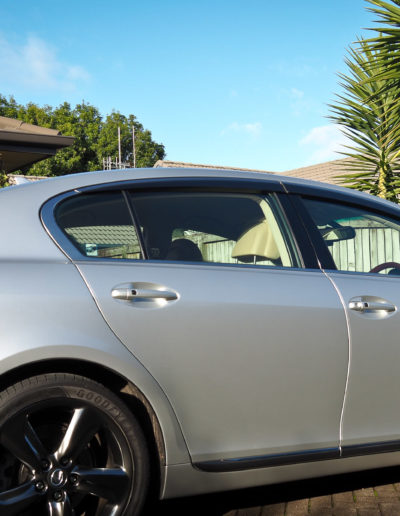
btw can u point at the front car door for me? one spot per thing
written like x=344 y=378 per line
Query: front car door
x=207 y=288
x=359 y=247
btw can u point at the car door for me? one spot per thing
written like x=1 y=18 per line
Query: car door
x=360 y=249
x=208 y=290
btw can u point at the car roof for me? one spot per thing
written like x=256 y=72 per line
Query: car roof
x=50 y=187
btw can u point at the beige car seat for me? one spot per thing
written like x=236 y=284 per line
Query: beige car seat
x=256 y=244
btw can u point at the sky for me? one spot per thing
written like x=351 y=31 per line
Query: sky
x=241 y=83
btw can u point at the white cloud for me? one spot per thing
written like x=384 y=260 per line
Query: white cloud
x=77 y=73
x=324 y=143
x=296 y=94
x=35 y=64
x=253 y=129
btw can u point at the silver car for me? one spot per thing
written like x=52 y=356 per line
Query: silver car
x=190 y=331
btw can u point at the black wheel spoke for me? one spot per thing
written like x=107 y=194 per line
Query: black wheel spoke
x=67 y=448
x=83 y=426
x=16 y=500
x=111 y=484
x=62 y=508
x=19 y=438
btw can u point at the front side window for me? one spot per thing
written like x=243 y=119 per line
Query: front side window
x=213 y=227
x=358 y=239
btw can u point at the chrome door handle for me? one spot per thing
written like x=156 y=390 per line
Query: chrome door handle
x=128 y=294
x=363 y=306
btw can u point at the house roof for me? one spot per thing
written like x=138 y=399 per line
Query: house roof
x=181 y=164
x=23 y=144
x=325 y=172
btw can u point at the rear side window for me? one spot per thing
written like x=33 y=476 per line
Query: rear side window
x=184 y=226
x=213 y=227
x=99 y=225
x=358 y=239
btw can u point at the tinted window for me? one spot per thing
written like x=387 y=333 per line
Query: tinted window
x=213 y=227
x=99 y=225
x=358 y=239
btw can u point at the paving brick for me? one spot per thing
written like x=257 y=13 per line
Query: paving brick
x=297 y=508
x=339 y=498
x=387 y=491
x=345 y=510
x=365 y=495
x=251 y=511
x=390 y=509
x=276 y=509
x=321 y=505
x=369 y=511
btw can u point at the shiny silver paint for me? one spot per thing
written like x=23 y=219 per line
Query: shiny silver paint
x=372 y=403
x=279 y=334
x=245 y=357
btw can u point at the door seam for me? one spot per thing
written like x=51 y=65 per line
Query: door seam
x=349 y=344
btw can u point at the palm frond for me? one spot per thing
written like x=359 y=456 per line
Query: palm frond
x=368 y=113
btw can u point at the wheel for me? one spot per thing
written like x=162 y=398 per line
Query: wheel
x=69 y=446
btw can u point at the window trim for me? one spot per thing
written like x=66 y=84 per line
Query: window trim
x=292 y=211
x=215 y=185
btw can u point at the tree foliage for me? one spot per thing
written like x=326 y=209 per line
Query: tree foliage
x=368 y=111
x=95 y=137
x=387 y=41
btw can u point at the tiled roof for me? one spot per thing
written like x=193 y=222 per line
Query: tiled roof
x=106 y=235
x=325 y=172
x=23 y=144
x=180 y=164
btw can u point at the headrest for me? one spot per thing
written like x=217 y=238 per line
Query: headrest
x=185 y=250
x=256 y=244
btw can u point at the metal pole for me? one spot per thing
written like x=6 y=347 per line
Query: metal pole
x=119 y=146
x=134 y=146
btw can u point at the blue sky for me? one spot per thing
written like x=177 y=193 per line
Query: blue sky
x=241 y=83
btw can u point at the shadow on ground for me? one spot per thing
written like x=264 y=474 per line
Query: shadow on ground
x=223 y=503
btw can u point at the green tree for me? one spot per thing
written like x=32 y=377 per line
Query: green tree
x=95 y=138
x=147 y=151
x=368 y=111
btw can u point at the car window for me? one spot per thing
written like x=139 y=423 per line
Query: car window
x=213 y=227
x=358 y=239
x=99 y=225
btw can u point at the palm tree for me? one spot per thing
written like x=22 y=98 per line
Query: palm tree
x=388 y=40
x=368 y=112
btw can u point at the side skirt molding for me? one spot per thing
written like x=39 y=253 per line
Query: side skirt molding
x=285 y=459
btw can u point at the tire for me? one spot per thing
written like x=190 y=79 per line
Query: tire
x=69 y=446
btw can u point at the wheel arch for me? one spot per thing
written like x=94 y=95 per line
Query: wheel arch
x=129 y=393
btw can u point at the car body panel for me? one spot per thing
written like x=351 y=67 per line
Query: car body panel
x=56 y=318
x=184 y=479
x=372 y=406
x=233 y=331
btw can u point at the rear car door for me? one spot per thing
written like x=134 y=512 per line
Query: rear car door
x=207 y=288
